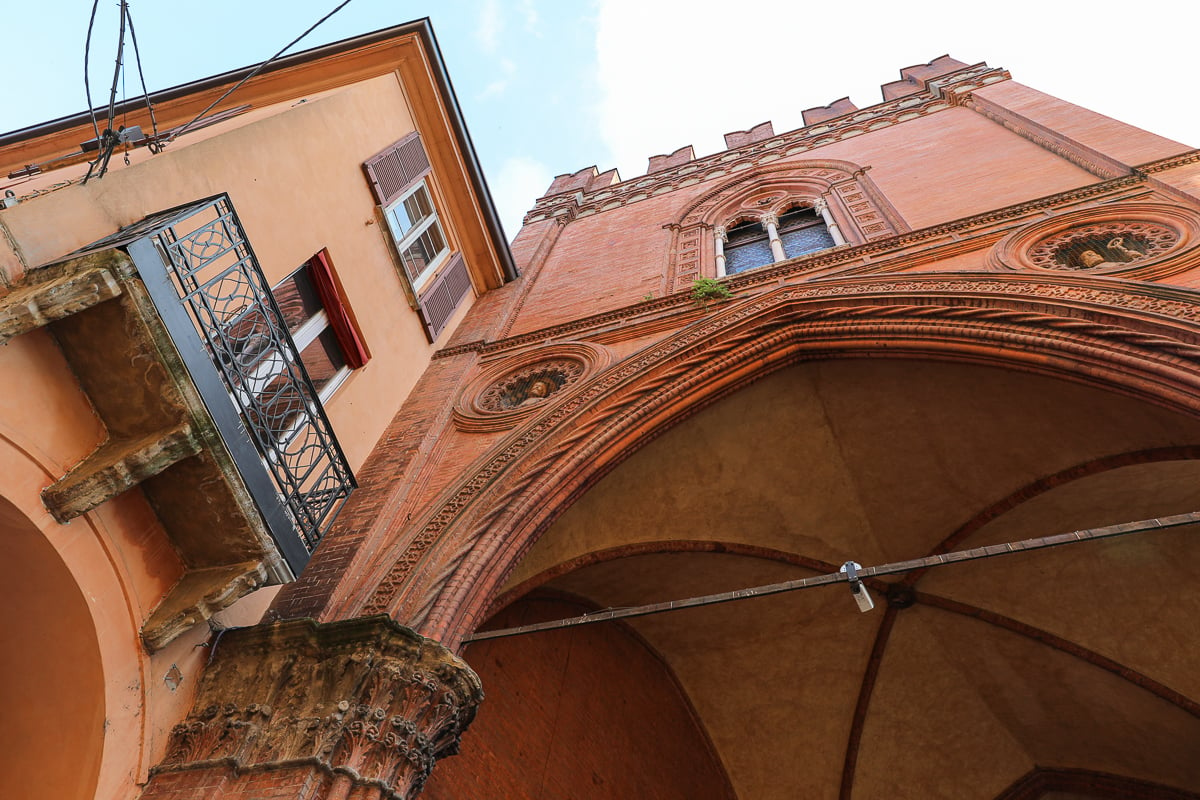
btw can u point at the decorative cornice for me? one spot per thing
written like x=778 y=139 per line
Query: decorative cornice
x=938 y=97
x=365 y=698
x=894 y=249
x=1170 y=162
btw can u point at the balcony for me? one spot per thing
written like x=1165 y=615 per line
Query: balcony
x=172 y=330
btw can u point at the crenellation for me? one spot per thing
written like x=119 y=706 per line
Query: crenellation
x=663 y=162
x=934 y=85
x=916 y=78
x=761 y=131
x=837 y=108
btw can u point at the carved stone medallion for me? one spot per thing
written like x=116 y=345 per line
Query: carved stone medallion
x=511 y=390
x=1145 y=240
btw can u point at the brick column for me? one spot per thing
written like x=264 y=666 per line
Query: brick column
x=353 y=710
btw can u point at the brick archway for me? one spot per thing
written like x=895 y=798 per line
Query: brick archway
x=1116 y=339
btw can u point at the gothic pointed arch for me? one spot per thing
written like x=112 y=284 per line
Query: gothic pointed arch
x=1116 y=338
x=843 y=191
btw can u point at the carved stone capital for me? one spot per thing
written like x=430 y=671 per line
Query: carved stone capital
x=366 y=699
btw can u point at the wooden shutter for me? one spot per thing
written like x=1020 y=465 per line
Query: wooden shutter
x=397 y=168
x=439 y=300
x=349 y=338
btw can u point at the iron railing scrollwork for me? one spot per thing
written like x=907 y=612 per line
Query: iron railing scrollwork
x=217 y=305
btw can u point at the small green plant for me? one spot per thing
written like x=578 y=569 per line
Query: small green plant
x=706 y=289
x=646 y=298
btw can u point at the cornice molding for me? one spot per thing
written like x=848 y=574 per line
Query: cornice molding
x=875 y=257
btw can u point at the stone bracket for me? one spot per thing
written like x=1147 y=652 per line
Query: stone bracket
x=198 y=595
x=33 y=306
x=364 y=698
x=115 y=467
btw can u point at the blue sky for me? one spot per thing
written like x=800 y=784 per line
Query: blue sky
x=552 y=86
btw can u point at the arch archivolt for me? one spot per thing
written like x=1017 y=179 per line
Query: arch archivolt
x=92 y=559
x=1114 y=338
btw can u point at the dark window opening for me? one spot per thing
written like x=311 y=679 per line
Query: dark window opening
x=747 y=247
x=803 y=231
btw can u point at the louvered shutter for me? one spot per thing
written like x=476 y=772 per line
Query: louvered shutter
x=442 y=296
x=397 y=168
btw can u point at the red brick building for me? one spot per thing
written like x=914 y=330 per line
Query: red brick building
x=966 y=316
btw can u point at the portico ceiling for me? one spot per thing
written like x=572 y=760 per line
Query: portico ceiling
x=974 y=676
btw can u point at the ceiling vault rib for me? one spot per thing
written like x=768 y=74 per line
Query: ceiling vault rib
x=1056 y=642
x=1047 y=483
x=865 y=690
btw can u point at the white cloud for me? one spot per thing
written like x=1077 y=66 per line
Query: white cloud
x=515 y=186
x=529 y=11
x=491 y=25
x=507 y=70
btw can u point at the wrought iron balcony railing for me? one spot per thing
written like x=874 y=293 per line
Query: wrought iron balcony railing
x=215 y=303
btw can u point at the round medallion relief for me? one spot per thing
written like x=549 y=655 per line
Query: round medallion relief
x=1147 y=239
x=534 y=384
x=1096 y=247
x=515 y=388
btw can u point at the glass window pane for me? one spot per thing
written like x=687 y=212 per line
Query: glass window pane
x=297 y=298
x=409 y=213
x=416 y=259
x=756 y=253
x=436 y=243
x=323 y=358
x=800 y=241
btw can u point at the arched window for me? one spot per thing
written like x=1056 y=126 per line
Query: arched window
x=757 y=243
x=747 y=246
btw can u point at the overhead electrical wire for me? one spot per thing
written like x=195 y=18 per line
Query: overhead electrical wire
x=893 y=568
x=137 y=56
x=109 y=139
x=87 y=85
x=183 y=129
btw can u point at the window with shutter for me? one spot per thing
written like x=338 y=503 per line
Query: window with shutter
x=438 y=277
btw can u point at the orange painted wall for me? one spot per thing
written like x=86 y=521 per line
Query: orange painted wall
x=588 y=713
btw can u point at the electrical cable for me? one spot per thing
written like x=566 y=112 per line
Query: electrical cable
x=137 y=56
x=181 y=130
x=109 y=140
x=87 y=86
x=893 y=568
x=112 y=94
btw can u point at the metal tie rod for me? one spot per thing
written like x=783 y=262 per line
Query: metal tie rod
x=973 y=554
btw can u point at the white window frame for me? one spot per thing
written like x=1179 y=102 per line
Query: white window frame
x=404 y=240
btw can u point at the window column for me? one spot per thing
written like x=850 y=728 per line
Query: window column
x=822 y=208
x=719 y=239
x=771 y=223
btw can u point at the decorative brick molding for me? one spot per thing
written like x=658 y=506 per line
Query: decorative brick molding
x=875 y=257
x=365 y=699
x=1139 y=340
x=516 y=388
x=1147 y=241
x=937 y=96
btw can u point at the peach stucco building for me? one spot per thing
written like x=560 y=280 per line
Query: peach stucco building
x=890 y=355
x=145 y=491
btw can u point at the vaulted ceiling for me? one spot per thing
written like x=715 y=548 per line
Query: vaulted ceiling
x=1066 y=673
